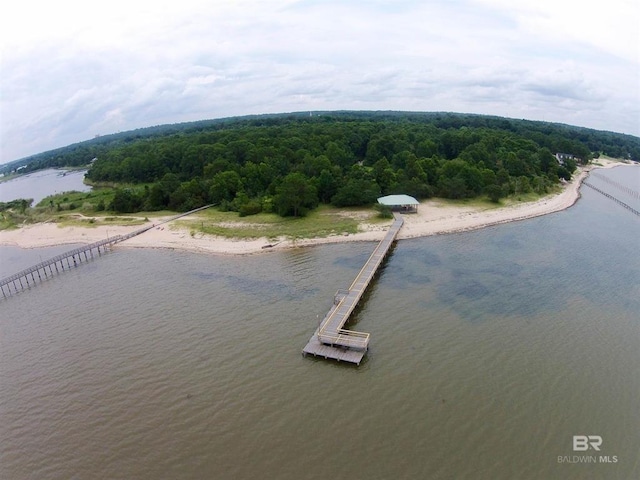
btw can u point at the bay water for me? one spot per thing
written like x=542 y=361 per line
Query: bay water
x=41 y=184
x=490 y=350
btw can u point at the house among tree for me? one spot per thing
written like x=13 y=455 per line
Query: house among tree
x=561 y=157
x=400 y=203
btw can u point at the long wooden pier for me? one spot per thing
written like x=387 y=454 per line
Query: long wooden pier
x=611 y=197
x=331 y=339
x=65 y=261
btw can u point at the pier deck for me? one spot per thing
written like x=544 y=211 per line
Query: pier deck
x=331 y=339
x=28 y=277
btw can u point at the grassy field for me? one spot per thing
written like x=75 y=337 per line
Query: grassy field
x=322 y=222
x=486 y=204
x=78 y=209
x=84 y=202
x=86 y=209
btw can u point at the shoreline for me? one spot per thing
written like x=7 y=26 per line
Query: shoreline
x=434 y=217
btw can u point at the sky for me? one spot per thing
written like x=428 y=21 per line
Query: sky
x=71 y=70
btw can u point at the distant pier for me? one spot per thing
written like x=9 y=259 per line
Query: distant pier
x=43 y=270
x=331 y=339
x=37 y=273
x=631 y=192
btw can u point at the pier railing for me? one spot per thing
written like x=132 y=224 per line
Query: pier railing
x=346 y=338
x=38 y=271
x=331 y=331
x=58 y=258
x=615 y=199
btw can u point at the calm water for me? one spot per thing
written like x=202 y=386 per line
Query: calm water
x=490 y=351
x=41 y=184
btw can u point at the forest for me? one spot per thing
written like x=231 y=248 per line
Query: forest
x=290 y=163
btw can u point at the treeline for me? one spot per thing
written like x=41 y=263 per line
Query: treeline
x=556 y=137
x=292 y=164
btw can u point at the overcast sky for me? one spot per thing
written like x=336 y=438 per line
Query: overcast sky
x=71 y=70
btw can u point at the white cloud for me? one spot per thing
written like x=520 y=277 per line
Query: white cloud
x=71 y=70
x=611 y=26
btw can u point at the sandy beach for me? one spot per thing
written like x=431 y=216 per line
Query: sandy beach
x=434 y=217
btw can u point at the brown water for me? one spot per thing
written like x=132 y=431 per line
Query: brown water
x=490 y=351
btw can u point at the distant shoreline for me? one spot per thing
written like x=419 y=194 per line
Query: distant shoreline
x=434 y=217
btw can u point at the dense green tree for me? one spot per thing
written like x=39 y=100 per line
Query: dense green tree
x=502 y=176
x=488 y=177
x=339 y=155
x=514 y=165
x=189 y=195
x=384 y=175
x=217 y=165
x=522 y=185
x=412 y=186
x=160 y=192
x=546 y=160
x=494 y=192
x=563 y=172
x=295 y=195
x=475 y=153
x=570 y=164
x=426 y=148
x=356 y=192
x=311 y=165
x=327 y=185
x=413 y=168
x=239 y=151
x=225 y=186
x=468 y=179
x=346 y=156
x=125 y=200
x=351 y=131
x=20 y=204
x=452 y=187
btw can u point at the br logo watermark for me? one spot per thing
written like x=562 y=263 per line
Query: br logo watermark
x=587 y=443
x=582 y=443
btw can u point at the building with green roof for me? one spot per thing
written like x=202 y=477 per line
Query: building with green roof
x=400 y=203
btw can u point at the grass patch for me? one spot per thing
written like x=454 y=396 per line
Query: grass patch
x=522 y=198
x=322 y=222
x=476 y=202
x=72 y=221
x=483 y=202
x=77 y=220
x=7 y=223
x=124 y=220
x=77 y=168
x=85 y=209
x=11 y=176
x=84 y=202
x=11 y=219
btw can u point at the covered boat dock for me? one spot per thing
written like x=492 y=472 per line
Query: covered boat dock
x=400 y=203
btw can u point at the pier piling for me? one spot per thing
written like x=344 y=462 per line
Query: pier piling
x=87 y=250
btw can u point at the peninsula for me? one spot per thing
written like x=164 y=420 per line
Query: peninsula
x=434 y=217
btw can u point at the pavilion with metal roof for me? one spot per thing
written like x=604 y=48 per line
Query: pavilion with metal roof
x=400 y=203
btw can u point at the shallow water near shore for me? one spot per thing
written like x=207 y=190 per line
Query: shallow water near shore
x=490 y=350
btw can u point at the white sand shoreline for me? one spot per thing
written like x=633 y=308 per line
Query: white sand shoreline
x=434 y=217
